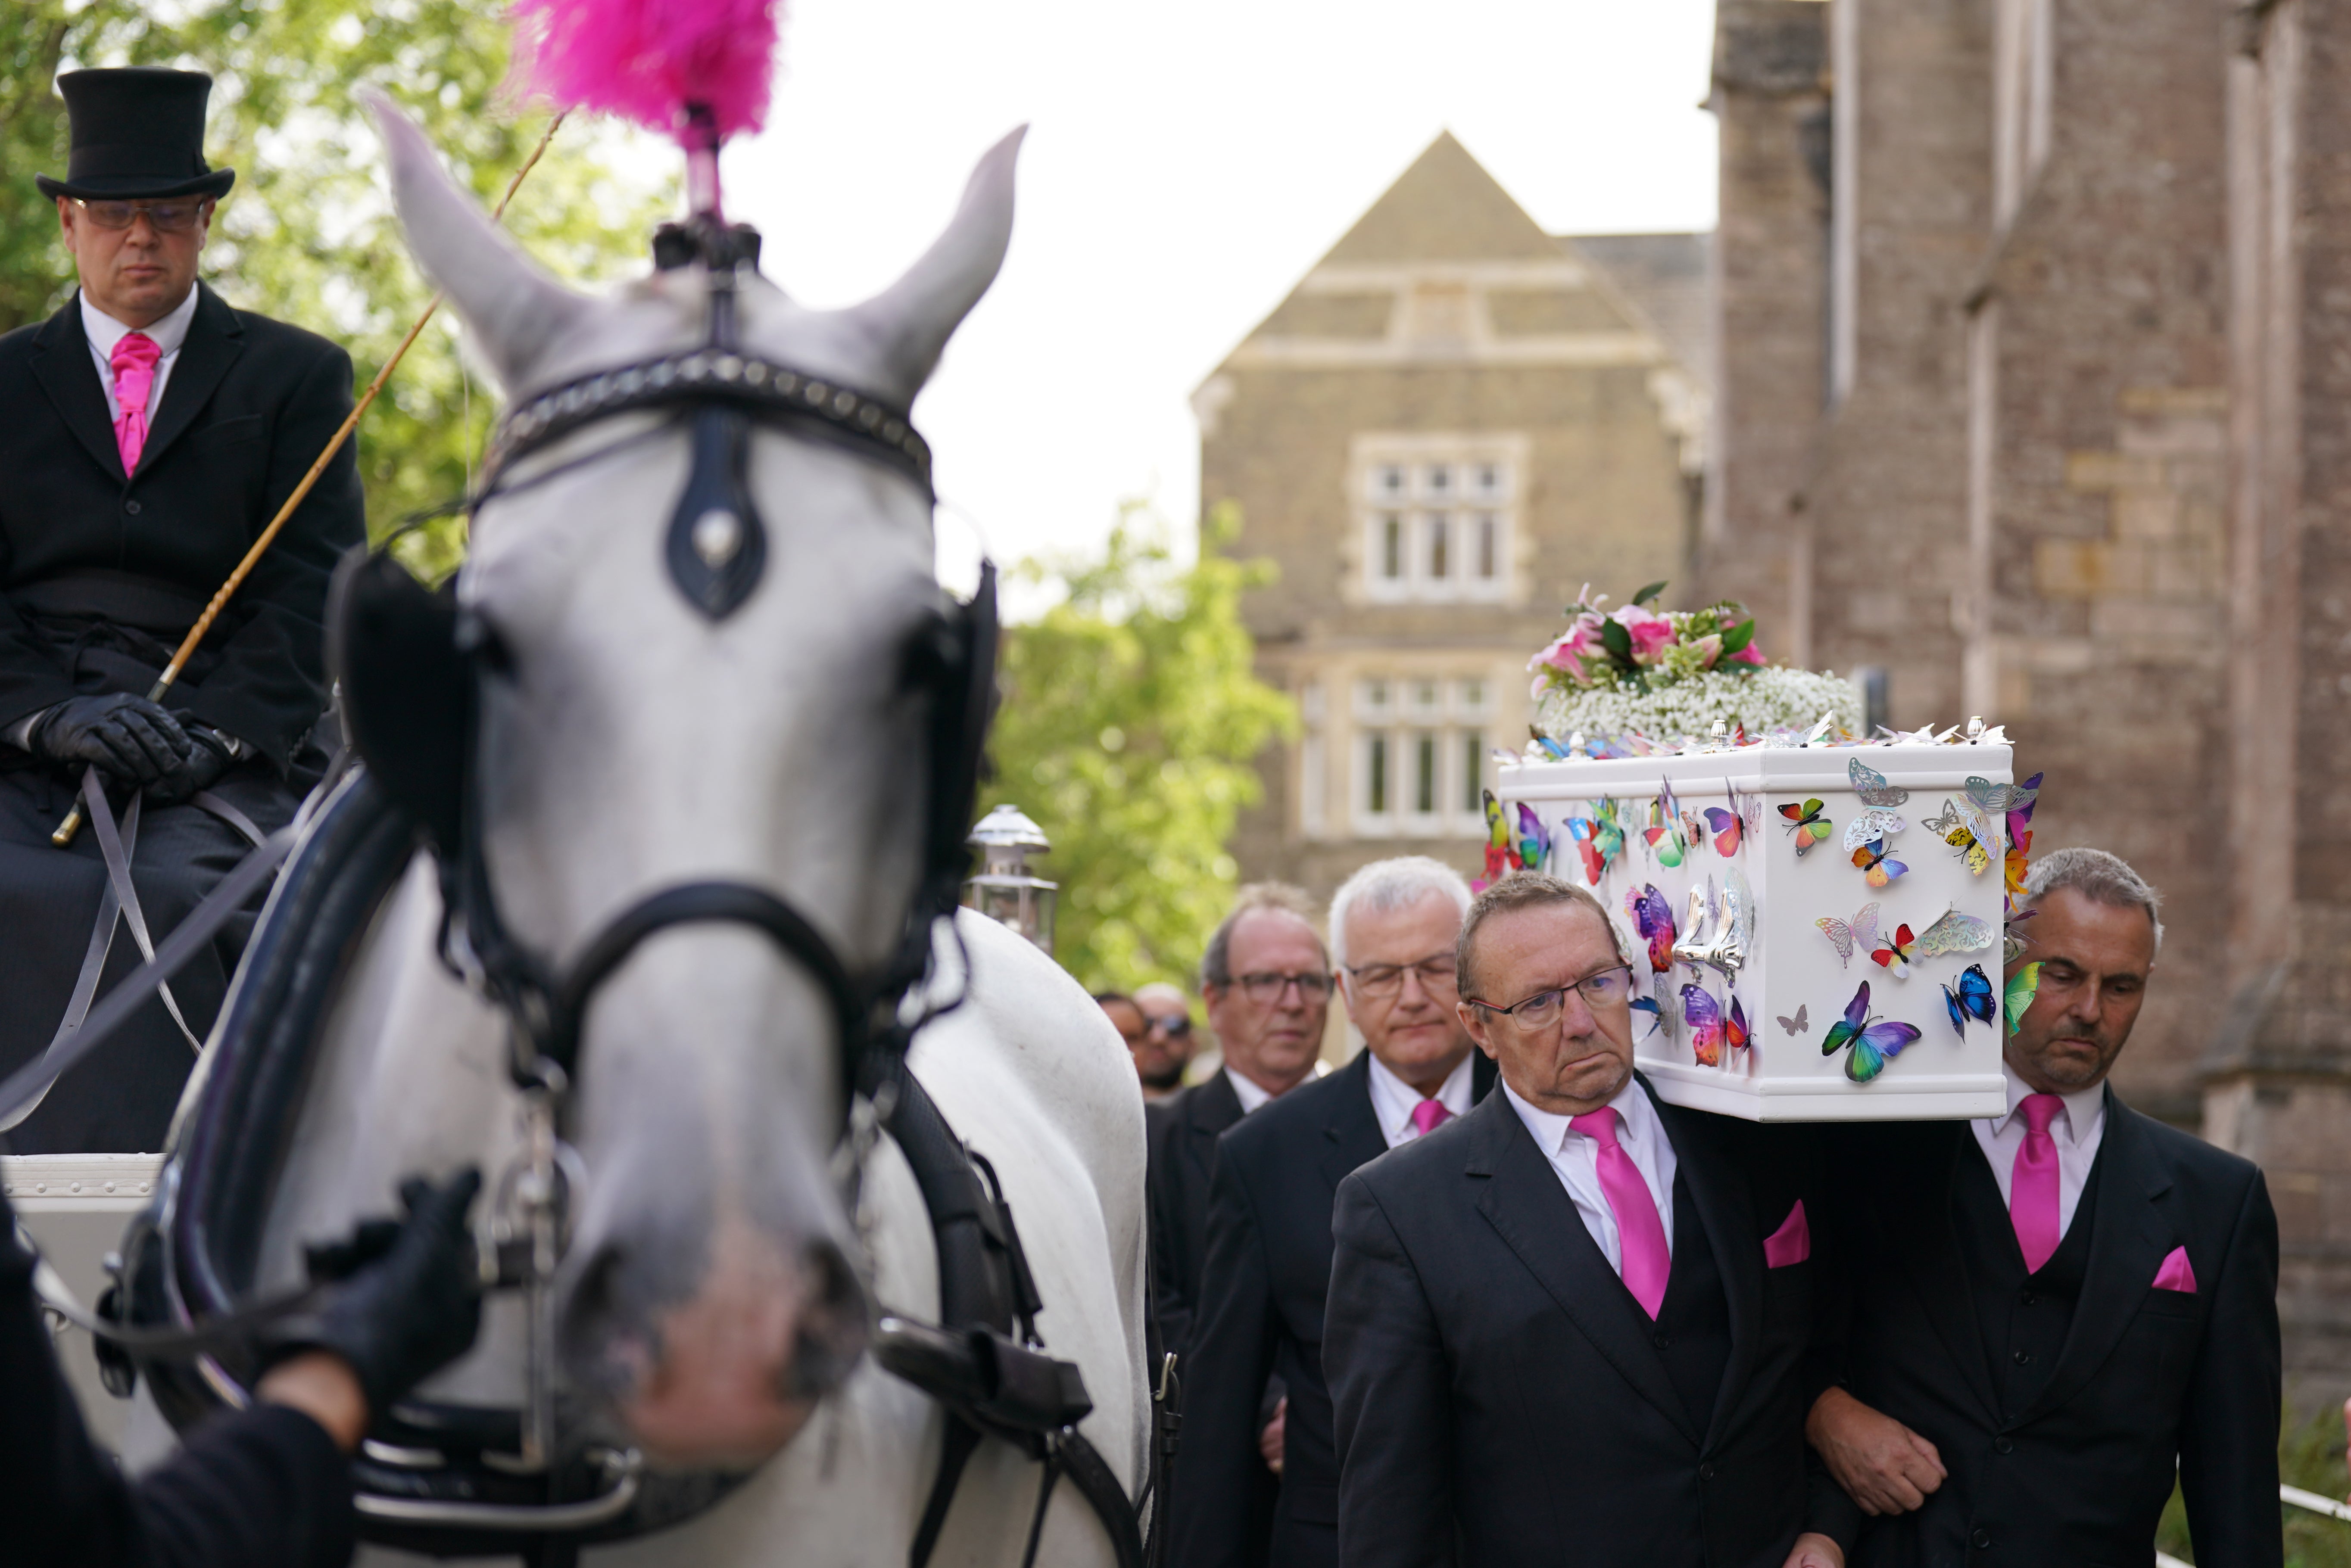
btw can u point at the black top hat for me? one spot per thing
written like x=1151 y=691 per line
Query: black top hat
x=137 y=132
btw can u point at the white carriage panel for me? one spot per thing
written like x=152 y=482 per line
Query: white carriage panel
x=1782 y=1076
x=75 y=1208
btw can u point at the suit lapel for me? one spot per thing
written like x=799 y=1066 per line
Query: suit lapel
x=2127 y=1243
x=61 y=363
x=1351 y=1129
x=216 y=337
x=1208 y=1111
x=1523 y=1201
x=1726 y=1209
x=1918 y=1224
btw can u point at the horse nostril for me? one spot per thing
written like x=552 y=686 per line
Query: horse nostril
x=834 y=1325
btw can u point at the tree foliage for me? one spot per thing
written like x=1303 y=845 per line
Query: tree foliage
x=307 y=234
x=1130 y=725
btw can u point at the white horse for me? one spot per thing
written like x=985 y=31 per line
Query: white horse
x=631 y=743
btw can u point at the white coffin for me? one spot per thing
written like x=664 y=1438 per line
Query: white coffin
x=76 y=1206
x=1790 y=963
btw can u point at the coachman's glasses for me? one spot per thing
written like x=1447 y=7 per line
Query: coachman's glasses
x=169 y=217
x=1436 y=975
x=1266 y=989
x=1610 y=989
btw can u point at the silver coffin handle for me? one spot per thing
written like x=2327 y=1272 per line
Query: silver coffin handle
x=627 y=1470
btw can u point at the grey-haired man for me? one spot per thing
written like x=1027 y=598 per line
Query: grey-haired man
x=2051 y=1312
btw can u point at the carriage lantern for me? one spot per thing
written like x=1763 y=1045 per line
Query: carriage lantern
x=1005 y=891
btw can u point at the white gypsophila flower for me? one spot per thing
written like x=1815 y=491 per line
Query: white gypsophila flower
x=1768 y=699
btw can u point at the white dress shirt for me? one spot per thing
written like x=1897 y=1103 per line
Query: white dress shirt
x=1251 y=1096
x=104 y=332
x=2075 y=1129
x=1393 y=1099
x=1640 y=1132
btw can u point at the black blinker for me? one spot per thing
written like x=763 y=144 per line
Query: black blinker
x=407 y=687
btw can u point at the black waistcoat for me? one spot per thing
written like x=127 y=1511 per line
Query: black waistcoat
x=1693 y=1328
x=2023 y=1319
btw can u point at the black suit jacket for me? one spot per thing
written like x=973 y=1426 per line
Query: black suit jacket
x=1500 y=1400
x=249 y=405
x=1182 y=1132
x=2146 y=1377
x=1261 y=1316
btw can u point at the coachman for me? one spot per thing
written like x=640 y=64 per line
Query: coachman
x=149 y=431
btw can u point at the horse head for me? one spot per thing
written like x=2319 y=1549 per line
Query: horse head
x=629 y=741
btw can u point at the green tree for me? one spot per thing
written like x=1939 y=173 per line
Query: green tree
x=308 y=234
x=1130 y=725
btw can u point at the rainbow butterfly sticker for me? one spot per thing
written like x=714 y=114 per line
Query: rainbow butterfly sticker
x=1655 y=918
x=1875 y=1042
x=1501 y=853
x=2023 y=987
x=1971 y=997
x=1599 y=839
x=1534 y=838
x=1807 y=824
x=1874 y=864
x=2020 y=812
x=1665 y=830
x=1892 y=953
x=1728 y=830
x=1734 y=1028
x=1707 y=1033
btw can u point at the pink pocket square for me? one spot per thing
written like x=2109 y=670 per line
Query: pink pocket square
x=2174 y=1274
x=1792 y=1241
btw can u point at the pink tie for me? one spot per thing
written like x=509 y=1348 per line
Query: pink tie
x=1640 y=1234
x=1430 y=1114
x=133 y=363
x=2033 y=1183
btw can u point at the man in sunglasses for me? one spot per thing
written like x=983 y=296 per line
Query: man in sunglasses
x=149 y=431
x=1167 y=1044
x=1393 y=926
x=1573 y=1324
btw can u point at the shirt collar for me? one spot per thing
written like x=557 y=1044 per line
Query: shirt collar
x=1394 y=1100
x=104 y=332
x=1251 y=1096
x=1637 y=1123
x=2084 y=1110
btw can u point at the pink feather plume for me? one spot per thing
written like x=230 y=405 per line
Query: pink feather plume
x=646 y=60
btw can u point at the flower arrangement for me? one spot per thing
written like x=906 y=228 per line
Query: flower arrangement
x=1637 y=670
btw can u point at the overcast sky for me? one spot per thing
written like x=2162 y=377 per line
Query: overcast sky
x=1186 y=164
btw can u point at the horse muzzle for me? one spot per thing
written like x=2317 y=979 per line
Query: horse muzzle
x=727 y=1374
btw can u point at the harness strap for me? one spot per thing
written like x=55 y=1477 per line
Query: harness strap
x=246 y=828
x=114 y=848
x=85 y=991
x=956 y=1448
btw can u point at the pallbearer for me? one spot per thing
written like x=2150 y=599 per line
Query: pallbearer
x=148 y=432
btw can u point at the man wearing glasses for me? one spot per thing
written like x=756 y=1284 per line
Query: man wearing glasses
x=1393 y=926
x=1570 y=1324
x=148 y=432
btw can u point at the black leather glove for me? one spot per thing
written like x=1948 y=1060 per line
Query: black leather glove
x=410 y=1297
x=124 y=735
x=208 y=758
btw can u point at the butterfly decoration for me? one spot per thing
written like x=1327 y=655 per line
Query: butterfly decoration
x=1874 y=864
x=2012 y=943
x=1656 y=1013
x=1705 y=1016
x=1800 y=1024
x=1664 y=833
x=1549 y=747
x=1501 y=853
x=1875 y=1042
x=1874 y=822
x=2020 y=813
x=1655 y=918
x=1534 y=838
x=1599 y=839
x=2000 y=799
x=1892 y=953
x=2023 y=987
x=1872 y=786
x=1966 y=830
x=1693 y=829
x=1861 y=931
x=1735 y=1033
x=1807 y=824
x=2014 y=867
x=1971 y=997
x=1728 y=830
x=1953 y=932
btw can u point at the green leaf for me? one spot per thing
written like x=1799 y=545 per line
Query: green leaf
x=1649 y=593
x=1738 y=637
x=1617 y=641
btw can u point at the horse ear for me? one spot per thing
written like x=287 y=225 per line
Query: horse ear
x=909 y=322
x=515 y=312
